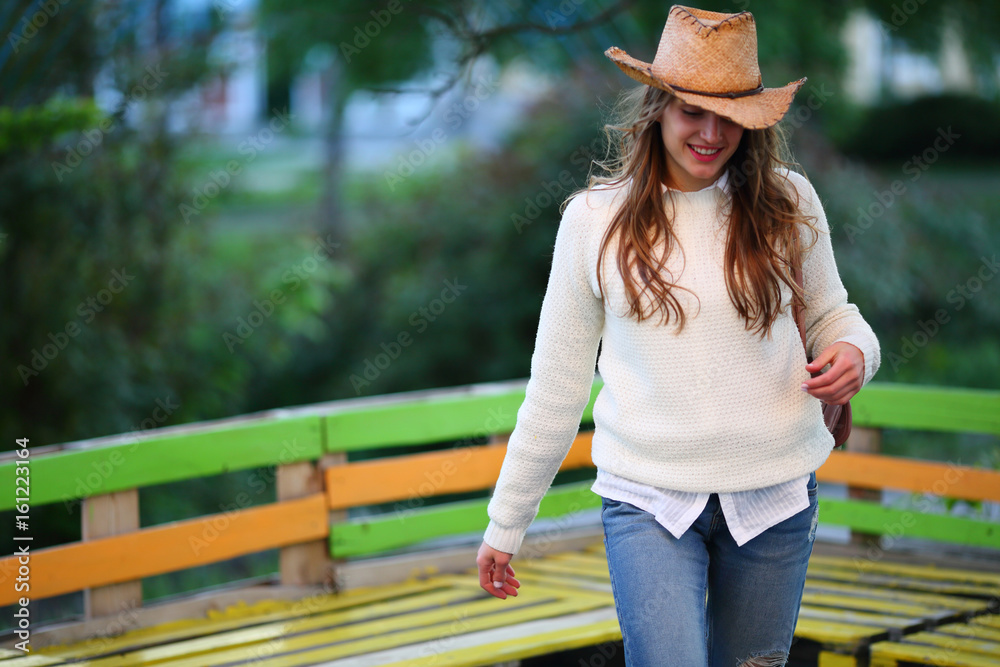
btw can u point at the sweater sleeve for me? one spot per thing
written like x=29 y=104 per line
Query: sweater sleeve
x=829 y=316
x=562 y=373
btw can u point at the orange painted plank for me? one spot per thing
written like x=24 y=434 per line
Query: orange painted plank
x=429 y=474
x=170 y=547
x=874 y=471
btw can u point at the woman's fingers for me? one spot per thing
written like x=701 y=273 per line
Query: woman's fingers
x=509 y=587
x=496 y=576
x=502 y=586
x=511 y=579
x=839 y=387
x=842 y=380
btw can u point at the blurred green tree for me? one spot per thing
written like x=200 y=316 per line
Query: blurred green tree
x=97 y=297
x=382 y=47
x=365 y=46
x=461 y=220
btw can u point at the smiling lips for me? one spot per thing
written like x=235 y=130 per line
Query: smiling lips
x=704 y=153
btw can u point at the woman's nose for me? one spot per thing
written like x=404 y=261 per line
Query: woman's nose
x=711 y=130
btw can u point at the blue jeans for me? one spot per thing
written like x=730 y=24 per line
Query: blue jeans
x=702 y=601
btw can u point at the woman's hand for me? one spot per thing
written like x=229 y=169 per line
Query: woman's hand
x=494 y=566
x=844 y=377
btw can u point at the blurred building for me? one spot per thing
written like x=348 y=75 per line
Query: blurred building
x=881 y=66
x=233 y=102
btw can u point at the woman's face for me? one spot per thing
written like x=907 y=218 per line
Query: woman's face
x=699 y=144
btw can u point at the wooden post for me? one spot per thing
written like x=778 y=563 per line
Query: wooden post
x=868 y=441
x=307 y=563
x=102 y=516
x=497 y=438
x=335 y=516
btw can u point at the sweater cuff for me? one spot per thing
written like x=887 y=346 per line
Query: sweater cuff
x=503 y=539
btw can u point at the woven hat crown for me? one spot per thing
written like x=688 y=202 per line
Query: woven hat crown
x=708 y=51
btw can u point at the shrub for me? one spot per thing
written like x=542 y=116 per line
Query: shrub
x=901 y=130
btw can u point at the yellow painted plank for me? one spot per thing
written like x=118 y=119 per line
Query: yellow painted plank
x=296 y=651
x=597 y=569
x=308 y=631
x=253 y=637
x=890 y=653
x=564 y=569
x=579 y=557
x=568 y=583
x=951 y=642
x=902 y=569
x=567 y=586
x=971 y=630
x=830 y=659
x=858 y=617
x=30 y=660
x=6 y=653
x=943 y=587
x=487 y=654
x=237 y=616
x=836 y=634
x=298 y=634
x=870 y=604
x=990 y=620
x=929 y=599
x=548 y=584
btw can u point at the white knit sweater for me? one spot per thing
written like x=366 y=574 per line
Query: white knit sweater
x=714 y=408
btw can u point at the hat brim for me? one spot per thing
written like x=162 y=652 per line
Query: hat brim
x=753 y=112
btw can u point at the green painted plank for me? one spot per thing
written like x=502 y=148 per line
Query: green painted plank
x=432 y=419
x=405 y=527
x=595 y=389
x=871 y=518
x=429 y=420
x=927 y=408
x=72 y=474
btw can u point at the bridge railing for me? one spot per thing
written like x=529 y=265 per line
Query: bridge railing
x=318 y=483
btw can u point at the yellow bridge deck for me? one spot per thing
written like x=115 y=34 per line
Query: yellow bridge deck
x=882 y=613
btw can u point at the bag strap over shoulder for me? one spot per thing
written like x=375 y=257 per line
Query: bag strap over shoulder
x=837 y=417
x=797 y=307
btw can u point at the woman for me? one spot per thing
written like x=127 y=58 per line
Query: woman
x=709 y=427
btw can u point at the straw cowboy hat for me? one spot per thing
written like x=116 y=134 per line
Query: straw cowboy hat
x=709 y=59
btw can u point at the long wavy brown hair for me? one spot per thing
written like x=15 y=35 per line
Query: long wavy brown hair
x=762 y=218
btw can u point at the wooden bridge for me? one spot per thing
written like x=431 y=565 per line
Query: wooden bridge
x=377 y=543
